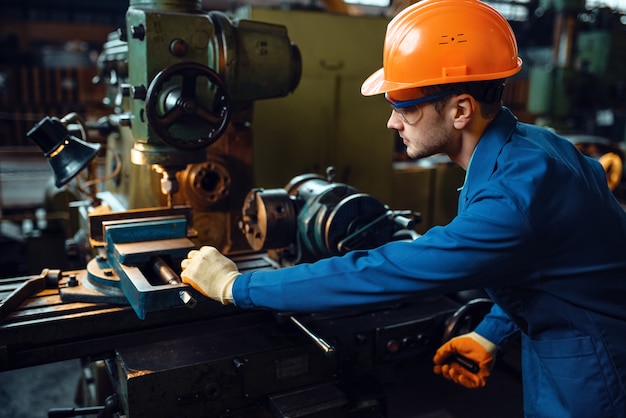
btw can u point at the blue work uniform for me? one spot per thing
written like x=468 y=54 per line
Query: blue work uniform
x=540 y=231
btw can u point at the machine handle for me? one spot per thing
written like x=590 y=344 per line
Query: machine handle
x=462 y=321
x=466 y=363
x=328 y=349
x=74 y=412
x=165 y=272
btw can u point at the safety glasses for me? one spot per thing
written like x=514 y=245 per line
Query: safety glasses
x=408 y=109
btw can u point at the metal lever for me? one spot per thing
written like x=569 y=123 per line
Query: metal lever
x=110 y=409
x=74 y=412
x=163 y=270
x=464 y=362
x=328 y=349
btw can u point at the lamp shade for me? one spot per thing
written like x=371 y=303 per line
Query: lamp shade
x=66 y=154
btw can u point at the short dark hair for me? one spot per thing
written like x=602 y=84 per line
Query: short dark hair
x=488 y=93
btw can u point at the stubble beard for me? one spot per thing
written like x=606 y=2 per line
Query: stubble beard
x=435 y=139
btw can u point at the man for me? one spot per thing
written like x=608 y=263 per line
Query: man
x=537 y=225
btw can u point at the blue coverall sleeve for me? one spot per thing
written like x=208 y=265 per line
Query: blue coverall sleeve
x=496 y=326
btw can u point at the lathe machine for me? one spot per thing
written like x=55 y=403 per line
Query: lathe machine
x=181 y=83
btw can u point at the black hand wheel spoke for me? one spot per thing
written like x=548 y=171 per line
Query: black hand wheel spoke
x=190 y=77
x=171 y=117
x=210 y=118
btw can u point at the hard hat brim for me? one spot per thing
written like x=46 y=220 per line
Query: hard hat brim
x=376 y=83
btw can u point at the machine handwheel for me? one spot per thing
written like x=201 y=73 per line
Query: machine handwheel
x=466 y=318
x=169 y=104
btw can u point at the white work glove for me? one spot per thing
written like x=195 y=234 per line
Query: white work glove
x=210 y=273
x=473 y=347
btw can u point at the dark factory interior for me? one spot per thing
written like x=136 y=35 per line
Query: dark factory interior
x=133 y=131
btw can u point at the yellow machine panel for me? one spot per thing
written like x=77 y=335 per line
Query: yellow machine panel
x=326 y=121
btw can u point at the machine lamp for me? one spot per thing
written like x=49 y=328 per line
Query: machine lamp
x=66 y=154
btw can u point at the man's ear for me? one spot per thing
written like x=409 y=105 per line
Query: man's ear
x=465 y=108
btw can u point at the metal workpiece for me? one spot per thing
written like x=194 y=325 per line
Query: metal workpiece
x=268 y=219
x=168 y=276
x=313 y=217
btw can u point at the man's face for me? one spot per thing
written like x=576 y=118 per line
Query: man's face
x=422 y=128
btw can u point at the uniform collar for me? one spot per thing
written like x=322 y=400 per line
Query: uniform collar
x=483 y=159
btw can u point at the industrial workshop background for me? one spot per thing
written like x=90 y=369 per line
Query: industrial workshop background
x=573 y=80
x=307 y=125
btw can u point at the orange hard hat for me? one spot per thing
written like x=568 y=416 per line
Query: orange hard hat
x=445 y=41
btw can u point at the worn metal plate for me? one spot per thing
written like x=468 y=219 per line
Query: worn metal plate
x=44 y=329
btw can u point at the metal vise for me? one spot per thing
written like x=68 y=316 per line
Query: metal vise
x=136 y=251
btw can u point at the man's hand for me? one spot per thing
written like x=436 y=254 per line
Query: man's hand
x=472 y=346
x=210 y=273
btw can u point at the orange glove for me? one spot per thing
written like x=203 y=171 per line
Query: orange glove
x=210 y=273
x=475 y=348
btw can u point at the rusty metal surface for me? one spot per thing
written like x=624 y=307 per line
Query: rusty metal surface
x=44 y=329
